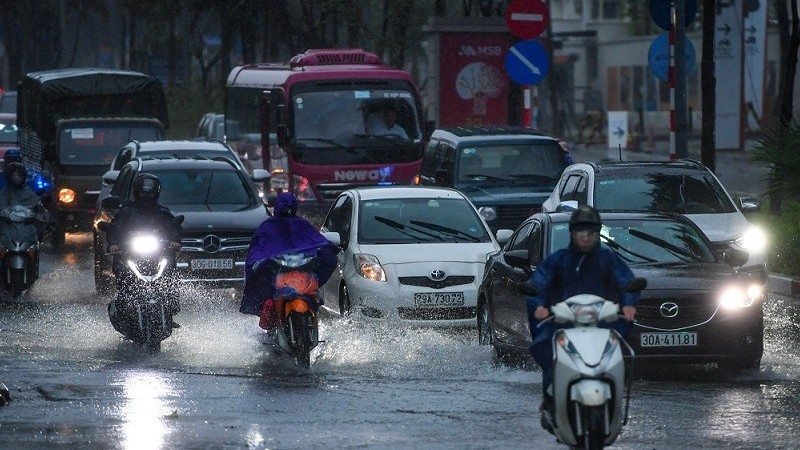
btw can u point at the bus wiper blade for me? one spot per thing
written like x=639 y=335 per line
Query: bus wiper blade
x=444 y=229
x=328 y=141
x=394 y=140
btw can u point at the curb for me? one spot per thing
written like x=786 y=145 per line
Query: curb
x=783 y=285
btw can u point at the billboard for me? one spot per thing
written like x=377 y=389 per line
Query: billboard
x=473 y=86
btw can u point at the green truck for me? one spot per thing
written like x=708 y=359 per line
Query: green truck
x=72 y=122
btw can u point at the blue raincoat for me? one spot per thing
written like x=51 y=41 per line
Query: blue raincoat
x=279 y=234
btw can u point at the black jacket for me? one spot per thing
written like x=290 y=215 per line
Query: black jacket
x=132 y=216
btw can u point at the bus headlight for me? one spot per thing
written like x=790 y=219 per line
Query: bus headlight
x=488 y=213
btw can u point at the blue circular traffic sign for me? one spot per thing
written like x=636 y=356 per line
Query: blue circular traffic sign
x=658 y=57
x=661 y=12
x=527 y=62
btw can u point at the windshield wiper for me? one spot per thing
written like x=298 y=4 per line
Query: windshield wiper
x=617 y=247
x=444 y=229
x=532 y=177
x=672 y=248
x=400 y=227
x=395 y=140
x=328 y=141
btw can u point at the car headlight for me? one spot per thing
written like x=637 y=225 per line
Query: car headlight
x=753 y=240
x=145 y=245
x=488 y=213
x=735 y=297
x=369 y=267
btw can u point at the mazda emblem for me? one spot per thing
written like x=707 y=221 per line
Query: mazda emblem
x=437 y=275
x=668 y=309
x=212 y=243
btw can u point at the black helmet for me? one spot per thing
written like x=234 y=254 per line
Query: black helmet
x=586 y=218
x=11 y=155
x=146 y=188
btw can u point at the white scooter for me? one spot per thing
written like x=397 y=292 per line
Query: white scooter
x=588 y=372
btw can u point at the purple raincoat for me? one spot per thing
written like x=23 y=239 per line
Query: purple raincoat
x=281 y=233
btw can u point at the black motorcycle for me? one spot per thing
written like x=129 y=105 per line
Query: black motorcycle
x=147 y=296
x=19 y=247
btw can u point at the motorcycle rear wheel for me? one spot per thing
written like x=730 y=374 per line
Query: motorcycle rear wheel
x=300 y=338
x=17 y=282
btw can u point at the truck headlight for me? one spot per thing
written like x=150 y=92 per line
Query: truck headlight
x=66 y=196
x=488 y=213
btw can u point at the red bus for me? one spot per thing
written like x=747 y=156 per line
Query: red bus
x=330 y=114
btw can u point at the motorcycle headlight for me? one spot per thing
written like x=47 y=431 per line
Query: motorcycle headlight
x=145 y=245
x=587 y=314
x=488 y=213
x=736 y=297
x=753 y=240
x=369 y=267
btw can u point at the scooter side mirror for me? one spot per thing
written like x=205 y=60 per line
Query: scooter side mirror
x=179 y=219
x=637 y=284
x=103 y=226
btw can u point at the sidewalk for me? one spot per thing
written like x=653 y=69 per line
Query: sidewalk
x=784 y=285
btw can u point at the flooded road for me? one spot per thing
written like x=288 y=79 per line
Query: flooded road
x=75 y=382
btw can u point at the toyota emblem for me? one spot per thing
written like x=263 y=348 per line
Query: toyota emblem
x=211 y=243
x=437 y=275
x=668 y=309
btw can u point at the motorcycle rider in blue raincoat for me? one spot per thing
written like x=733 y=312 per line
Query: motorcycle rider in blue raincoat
x=39 y=183
x=584 y=267
x=283 y=232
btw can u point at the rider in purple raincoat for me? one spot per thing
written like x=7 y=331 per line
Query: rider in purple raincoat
x=281 y=233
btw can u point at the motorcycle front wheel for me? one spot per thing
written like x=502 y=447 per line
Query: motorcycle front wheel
x=594 y=424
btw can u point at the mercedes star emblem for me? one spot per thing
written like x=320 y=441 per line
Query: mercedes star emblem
x=211 y=243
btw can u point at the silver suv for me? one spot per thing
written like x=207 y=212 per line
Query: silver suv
x=684 y=187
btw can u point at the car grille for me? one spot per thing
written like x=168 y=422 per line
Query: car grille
x=517 y=213
x=427 y=282
x=463 y=312
x=212 y=243
x=692 y=311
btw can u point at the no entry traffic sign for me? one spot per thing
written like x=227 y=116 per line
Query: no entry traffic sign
x=527 y=19
x=527 y=62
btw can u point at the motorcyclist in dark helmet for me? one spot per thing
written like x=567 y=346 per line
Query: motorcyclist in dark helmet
x=584 y=267
x=17 y=192
x=144 y=212
x=284 y=232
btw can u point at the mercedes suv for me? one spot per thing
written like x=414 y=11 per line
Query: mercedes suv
x=221 y=207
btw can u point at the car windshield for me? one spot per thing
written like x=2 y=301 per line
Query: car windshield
x=539 y=164
x=683 y=193
x=645 y=241
x=187 y=152
x=8 y=133
x=223 y=189
x=415 y=220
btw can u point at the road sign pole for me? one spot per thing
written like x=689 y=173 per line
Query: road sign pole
x=681 y=112
x=671 y=81
x=526 y=110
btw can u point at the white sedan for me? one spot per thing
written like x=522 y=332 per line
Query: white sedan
x=413 y=255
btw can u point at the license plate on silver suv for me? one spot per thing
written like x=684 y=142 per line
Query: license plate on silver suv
x=212 y=264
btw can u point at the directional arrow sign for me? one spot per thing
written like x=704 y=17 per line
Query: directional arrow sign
x=619 y=132
x=725 y=28
x=526 y=62
x=527 y=19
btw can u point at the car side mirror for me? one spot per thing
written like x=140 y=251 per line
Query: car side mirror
x=442 y=177
x=112 y=202
x=636 y=285
x=110 y=177
x=735 y=257
x=270 y=200
x=503 y=235
x=749 y=204
x=260 y=175
x=519 y=259
x=567 y=206
x=333 y=236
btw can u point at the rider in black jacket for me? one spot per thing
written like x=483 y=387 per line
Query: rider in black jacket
x=143 y=213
